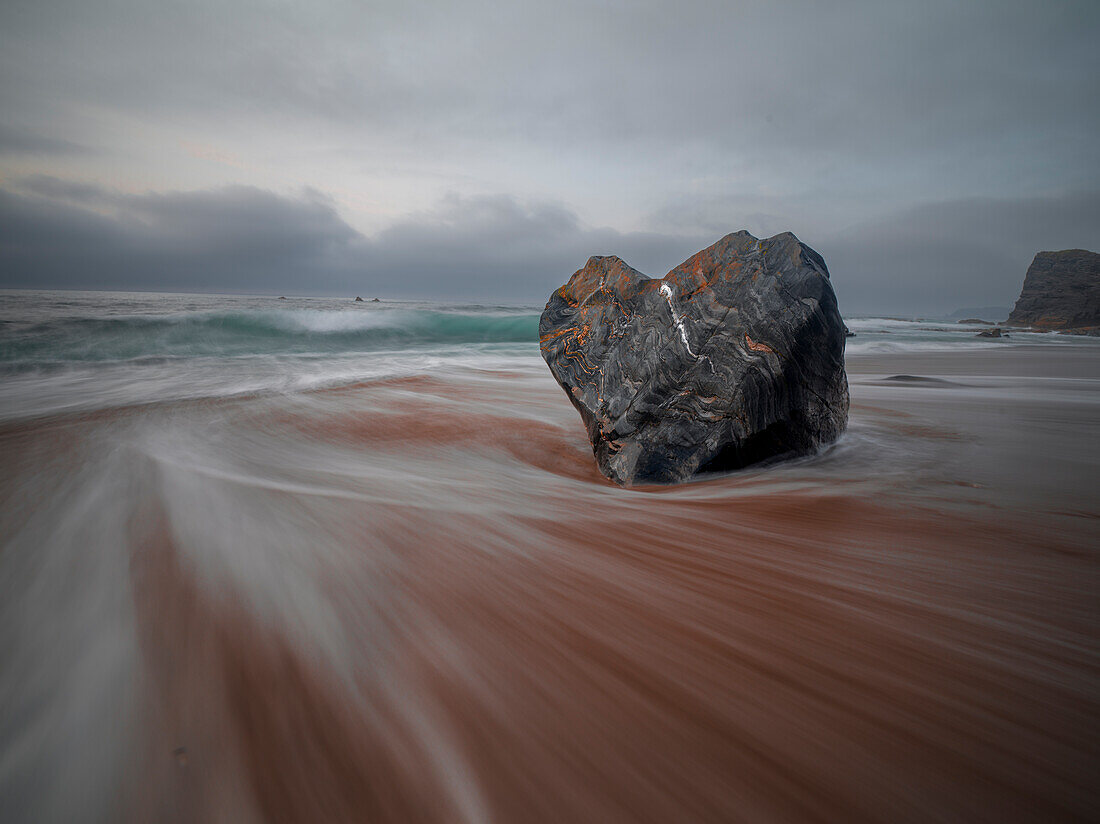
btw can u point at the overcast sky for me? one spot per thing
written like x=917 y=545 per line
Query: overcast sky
x=484 y=150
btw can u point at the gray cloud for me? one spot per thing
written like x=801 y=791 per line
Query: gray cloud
x=57 y=188
x=937 y=257
x=495 y=247
x=60 y=234
x=865 y=101
x=928 y=259
x=15 y=140
x=926 y=149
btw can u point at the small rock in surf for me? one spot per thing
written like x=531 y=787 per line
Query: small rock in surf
x=735 y=356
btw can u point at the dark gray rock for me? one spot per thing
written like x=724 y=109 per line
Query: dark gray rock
x=1061 y=291
x=990 y=333
x=735 y=356
x=1091 y=331
x=914 y=379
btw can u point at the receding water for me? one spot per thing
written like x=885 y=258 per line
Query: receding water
x=314 y=560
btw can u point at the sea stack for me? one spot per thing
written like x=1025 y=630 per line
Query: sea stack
x=733 y=357
x=1061 y=291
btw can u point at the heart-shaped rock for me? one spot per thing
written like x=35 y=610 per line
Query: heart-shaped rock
x=735 y=356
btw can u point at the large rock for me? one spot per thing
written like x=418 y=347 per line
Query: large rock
x=736 y=355
x=1061 y=291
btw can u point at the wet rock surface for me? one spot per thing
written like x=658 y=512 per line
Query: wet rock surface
x=1061 y=291
x=734 y=357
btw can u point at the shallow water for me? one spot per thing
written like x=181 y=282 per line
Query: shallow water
x=406 y=594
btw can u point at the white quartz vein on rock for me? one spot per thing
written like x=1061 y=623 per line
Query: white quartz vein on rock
x=666 y=290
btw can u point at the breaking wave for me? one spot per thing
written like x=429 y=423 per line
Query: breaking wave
x=230 y=334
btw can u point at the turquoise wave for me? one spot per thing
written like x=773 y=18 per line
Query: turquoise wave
x=237 y=334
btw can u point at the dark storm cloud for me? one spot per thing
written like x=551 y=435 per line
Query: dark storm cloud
x=500 y=247
x=929 y=259
x=61 y=234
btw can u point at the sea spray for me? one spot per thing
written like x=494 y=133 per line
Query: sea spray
x=76 y=352
x=257 y=332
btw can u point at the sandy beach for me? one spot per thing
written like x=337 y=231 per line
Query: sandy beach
x=416 y=599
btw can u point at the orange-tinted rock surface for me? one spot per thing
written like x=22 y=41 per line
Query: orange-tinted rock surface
x=735 y=356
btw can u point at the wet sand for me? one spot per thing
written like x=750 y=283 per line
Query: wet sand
x=417 y=600
x=1025 y=419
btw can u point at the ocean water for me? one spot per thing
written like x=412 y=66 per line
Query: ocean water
x=71 y=350
x=301 y=560
x=66 y=351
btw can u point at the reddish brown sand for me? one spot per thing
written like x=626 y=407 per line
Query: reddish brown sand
x=426 y=605
x=858 y=667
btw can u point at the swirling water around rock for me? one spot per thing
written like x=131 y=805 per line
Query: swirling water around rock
x=398 y=589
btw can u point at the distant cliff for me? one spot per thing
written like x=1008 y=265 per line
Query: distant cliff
x=1061 y=291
